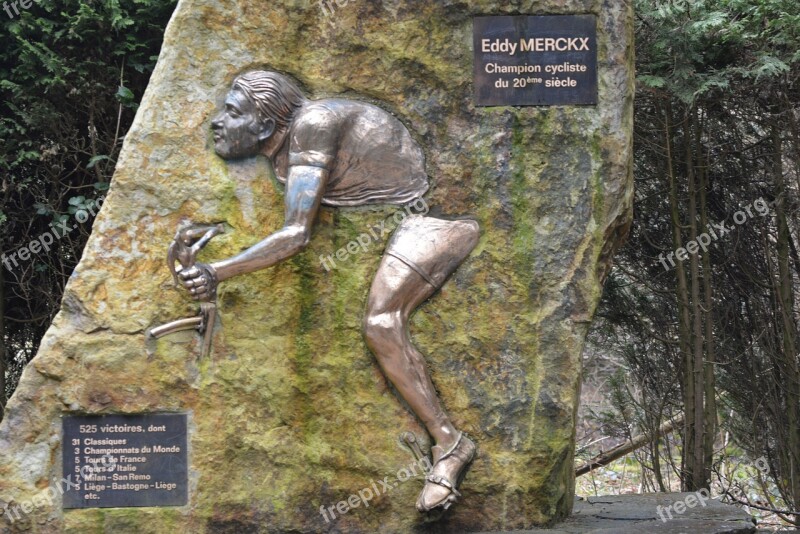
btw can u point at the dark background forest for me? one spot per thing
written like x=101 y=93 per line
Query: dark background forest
x=696 y=338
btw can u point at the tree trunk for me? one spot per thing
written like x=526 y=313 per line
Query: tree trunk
x=619 y=451
x=788 y=329
x=697 y=453
x=3 y=357
x=710 y=386
x=682 y=297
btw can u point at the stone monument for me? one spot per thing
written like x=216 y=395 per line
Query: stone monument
x=269 y=412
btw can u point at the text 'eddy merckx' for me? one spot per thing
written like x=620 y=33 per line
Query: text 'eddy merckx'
x=536 y=44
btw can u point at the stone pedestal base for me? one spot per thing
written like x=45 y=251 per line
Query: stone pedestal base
x=638 y=514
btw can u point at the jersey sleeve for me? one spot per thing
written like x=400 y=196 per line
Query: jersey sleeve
x=315 y=138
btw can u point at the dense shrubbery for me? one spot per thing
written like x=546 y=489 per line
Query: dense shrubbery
x=71 y=72
x=716 y=128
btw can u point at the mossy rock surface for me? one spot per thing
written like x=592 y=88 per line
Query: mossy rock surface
x=291 y=411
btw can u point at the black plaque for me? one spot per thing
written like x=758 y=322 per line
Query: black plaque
x=535 y=60
x=125 y=461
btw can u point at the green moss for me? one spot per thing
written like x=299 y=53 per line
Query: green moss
x=524 y=239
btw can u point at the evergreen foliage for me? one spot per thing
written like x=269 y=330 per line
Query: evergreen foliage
x=716 y=128
x=71 y=72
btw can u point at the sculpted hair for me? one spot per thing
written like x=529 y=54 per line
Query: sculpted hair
x=275 y=96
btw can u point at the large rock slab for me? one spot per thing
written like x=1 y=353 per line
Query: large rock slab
x=291 y=412
x=652 y=513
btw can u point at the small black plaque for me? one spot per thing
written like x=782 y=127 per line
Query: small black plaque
x=535 y=60
x=125 y=460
